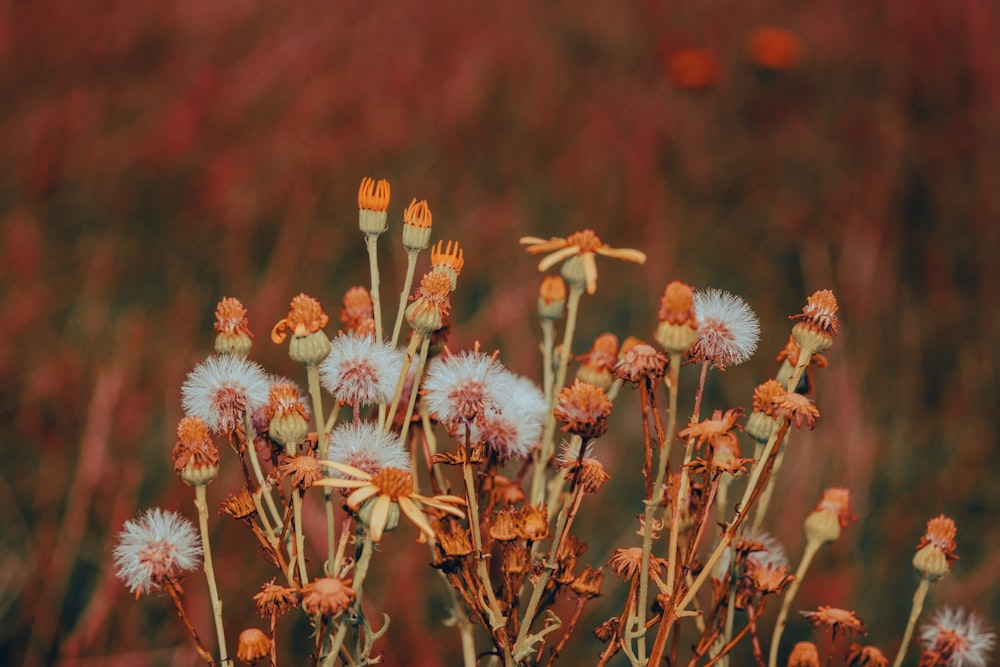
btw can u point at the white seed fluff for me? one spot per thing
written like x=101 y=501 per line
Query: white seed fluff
x=974 y=643
x=360 y=370
x=728 y=329
x=366 y=447
x=460 y=388
x=221 y=389
x=155 y=547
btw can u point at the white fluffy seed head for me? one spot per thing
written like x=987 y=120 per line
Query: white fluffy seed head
x=360 y=370
x=460 y=388
x=728 y=329
x=772 y=554
x=514 y=424
x=367 y=447
x=158 y=546
x=221 y=389
x=966 y=635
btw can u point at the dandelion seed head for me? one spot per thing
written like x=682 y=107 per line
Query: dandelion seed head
x=361 y=370
x=461 y=387
x=514 y=425
x=221 y=389
x=728 y=329
x=366 y=447
x=158 y=546
x=958 y=638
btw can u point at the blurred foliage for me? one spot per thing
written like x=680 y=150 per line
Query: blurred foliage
x=160 y=155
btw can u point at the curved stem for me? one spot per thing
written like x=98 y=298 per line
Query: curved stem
x=411 y=349
x=411 y=265
x=421 y=361
x=918 y=606
x=171 y=590
x=779 y=626
x=213 y=589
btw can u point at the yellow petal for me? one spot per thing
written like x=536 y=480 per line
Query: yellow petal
x=361 y=495
x=628 y=254
x=590 y=272
x=380 y=514
x=345 y=469
x=558 y=256
x=339 y=483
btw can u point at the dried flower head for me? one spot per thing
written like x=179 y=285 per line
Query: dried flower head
x=796 y=408
x=301 y=470
x=534 y=523
x=728 y=329
x=417 y=220
x=253 y=645
x=607 y=630
x=327 y=596
x=588 y=583
x=373 y=205
x=837 y=621
x=505 y=525
x=289 y=419
x=367 y=447
x=804 y=654
x=598 y=364
x=222 y=389
x=583 y=409
x=865 y=656
x=232 y=330
x=275 y=600
x=552 y=297
x=388 y=487
x=936 y=549
x=195 y=456
x=431 y=303
x=717 y=428
x=641 y=361
x=358 y=308
x=584 y=244
x=819 y=324
x=154 y=549
x=238 y=505
x=305 y=316
x=361 y=370
x=956 y=638
x=678 y=328
x=832 y=514
x=459 y=388
x=768 y=579
x=627 y=563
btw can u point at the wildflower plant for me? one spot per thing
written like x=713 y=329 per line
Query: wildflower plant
x=495 y=473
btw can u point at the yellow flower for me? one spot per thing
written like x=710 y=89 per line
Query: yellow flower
x=583 y=243
x=387 y=487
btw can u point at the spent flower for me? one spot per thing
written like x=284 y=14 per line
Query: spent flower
x=158 y=547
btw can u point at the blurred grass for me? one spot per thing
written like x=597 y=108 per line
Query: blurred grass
x=162 y=155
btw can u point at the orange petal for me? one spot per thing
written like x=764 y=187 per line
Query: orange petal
x=416 y=516
x=590 y=272
x=361 y=495
x=380 y=514
x=628 y=254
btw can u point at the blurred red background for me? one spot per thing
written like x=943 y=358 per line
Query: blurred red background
x=161 y=155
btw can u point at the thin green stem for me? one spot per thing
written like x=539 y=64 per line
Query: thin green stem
x=918 y=606
x=411 y=349
x=812 y=547
x=213 y=590
x=411 y=266
x=651 y=505
x=421 y=362
x=316 y=395
x=548 y=434
x=371 y=243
